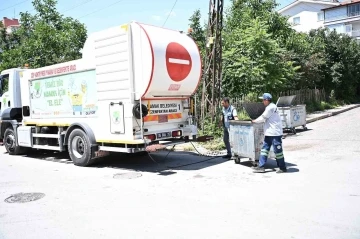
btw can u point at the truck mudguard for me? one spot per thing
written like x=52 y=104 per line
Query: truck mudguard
x=86 y=128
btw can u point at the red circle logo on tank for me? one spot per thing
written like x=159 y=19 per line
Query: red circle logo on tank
x=178 y=61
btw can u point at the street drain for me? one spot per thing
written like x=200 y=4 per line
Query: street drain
x=24 y=197
x=127 y=175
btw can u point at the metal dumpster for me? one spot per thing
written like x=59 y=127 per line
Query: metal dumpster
x=246 y=138
x=292 y=115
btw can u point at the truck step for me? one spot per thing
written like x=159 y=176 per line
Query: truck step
x=53 y=136
x=57 y=148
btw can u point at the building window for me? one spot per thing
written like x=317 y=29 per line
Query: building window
x=354 y=10
x=296 y=20
x=339 y=28
x=320 y=16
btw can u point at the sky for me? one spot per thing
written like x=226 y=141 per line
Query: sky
x=102 y=14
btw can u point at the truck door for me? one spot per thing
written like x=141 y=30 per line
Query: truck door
x=4 y=93
x=10 y=94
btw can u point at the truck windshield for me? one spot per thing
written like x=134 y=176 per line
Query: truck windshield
x=4 y=83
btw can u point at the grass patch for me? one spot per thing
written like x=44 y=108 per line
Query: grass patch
x=321 y=106
x=188 y=147
x=242 y=115
x=216 y=144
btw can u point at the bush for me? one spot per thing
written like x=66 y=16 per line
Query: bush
x=211 y=129
x=242 y=115
x=326 y=105
x=313 y=106
x=214 y=145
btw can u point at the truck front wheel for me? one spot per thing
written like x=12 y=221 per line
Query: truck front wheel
x=10 y=142
x=79 y=148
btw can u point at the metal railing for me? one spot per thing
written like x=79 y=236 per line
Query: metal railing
x=355 y=33
x=331 y=17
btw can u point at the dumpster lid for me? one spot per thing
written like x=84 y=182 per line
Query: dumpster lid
x=254 y=110
x=285 y=100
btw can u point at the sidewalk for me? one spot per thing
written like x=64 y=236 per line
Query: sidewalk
x=328 y=113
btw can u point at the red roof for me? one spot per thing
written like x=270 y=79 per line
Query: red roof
x=349 y=2
x=10 y=22
x=345 y=3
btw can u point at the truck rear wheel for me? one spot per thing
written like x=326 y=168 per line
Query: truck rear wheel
x=80 y=148
x=10 y=143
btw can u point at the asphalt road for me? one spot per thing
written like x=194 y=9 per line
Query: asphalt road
x=134 y=197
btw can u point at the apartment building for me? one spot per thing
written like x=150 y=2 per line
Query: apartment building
x=305 y=15
x=344 y=18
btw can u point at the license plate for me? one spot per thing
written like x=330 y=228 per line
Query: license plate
x=163 y=119
x=163 y=135
x=100 y=154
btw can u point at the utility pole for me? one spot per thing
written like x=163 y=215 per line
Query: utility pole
x=211 y=85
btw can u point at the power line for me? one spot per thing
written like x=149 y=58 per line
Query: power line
x=13 y=5
x=170 y=13
x=100 y=9
x=76 y=6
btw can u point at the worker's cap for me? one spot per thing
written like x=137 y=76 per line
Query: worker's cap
x=266 y=96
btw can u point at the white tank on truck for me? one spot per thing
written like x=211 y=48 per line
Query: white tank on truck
x=130 y=89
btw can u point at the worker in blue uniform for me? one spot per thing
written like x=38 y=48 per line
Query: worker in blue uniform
x=228 y=113
x=273 y=133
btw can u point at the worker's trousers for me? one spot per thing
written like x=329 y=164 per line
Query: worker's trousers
x=227 y=140
x=276 y=142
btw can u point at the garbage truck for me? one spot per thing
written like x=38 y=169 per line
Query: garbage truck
x=131 y=88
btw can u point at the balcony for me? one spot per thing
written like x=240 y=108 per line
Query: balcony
x=332 y=18
x=355 y=33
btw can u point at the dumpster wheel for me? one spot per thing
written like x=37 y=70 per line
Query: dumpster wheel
x=237 y=160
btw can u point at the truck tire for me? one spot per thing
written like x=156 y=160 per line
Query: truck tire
x=79 y=148
x=10 y=143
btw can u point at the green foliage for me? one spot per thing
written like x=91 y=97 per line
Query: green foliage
x=214 y=145
x=313 y=106
x=261 y=52
x=254 y=56
x=242 y=115
x=45 y=38
x=255 y=62
x=213 y=129
x=198 y=33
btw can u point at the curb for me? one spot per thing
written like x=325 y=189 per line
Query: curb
x=331 y=114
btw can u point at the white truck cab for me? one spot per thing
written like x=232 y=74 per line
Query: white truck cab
x=10 y=95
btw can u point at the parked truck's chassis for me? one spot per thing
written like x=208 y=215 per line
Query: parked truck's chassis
x=77 y=140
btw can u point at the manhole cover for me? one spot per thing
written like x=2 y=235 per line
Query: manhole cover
x=24 y=197
x=127 y=175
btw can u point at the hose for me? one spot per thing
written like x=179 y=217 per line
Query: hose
x=136 y=111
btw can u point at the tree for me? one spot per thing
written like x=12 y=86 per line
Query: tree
x=45 y=38
x=255 y=56
x=255 y=62
x=197 y=33
x=342 y=70
x=7 y=41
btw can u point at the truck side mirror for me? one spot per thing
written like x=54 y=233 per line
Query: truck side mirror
x=26 y=110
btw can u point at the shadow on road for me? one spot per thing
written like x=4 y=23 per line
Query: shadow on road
x=288 y=133
x=163 y=162
x=159 y=162
x=271 y=165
